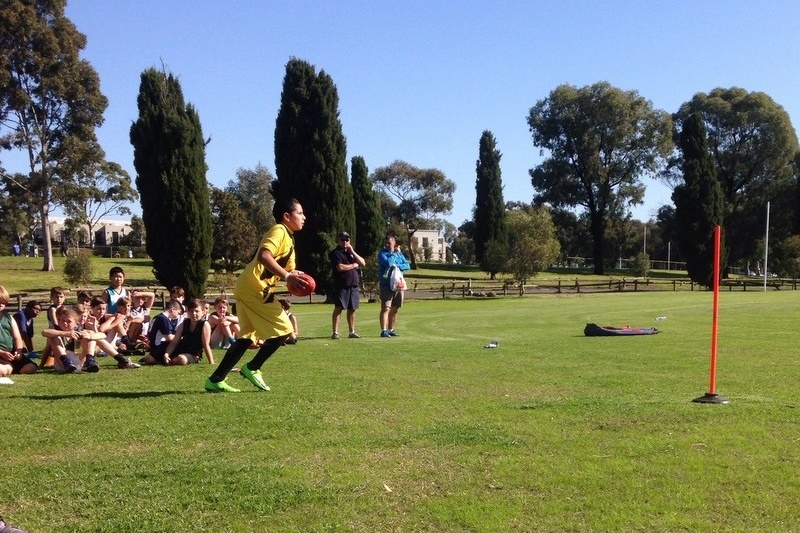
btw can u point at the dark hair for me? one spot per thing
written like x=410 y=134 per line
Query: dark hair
x=97 y=300
x=173 y=304
x=84 y=295
x=115 y=270
x=33 y=303
x=283 y=205
x=193 y=304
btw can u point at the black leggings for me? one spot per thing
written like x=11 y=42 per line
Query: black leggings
x=237 y=350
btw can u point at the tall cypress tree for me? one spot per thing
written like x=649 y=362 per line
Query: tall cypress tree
x=310 y=164
x=169 y=157
x=370 y=225
x=491 y=232
x=699 y=204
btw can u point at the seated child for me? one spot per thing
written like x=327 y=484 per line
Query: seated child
x=24 y=319
x=286 y=305
x=64 y=339
x=56 y=300
x=84 y=306
x=191 y=339
x=224 y=325
x=101 y=321
x=139 y=317
x=162 y=331
x=68 y=335
x=12 y=350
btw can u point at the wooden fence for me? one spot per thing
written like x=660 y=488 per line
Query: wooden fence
x=482 y=288
x=467 y=288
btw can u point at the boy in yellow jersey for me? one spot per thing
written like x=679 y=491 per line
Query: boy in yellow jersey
x=260 y=313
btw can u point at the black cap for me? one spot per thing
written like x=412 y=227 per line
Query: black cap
x=344 y=235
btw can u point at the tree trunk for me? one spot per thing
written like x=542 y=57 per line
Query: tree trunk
x=598 y=242
x=47 y=243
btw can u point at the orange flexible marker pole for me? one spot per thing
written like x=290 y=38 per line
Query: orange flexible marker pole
x=712 y=387
x=711 y=396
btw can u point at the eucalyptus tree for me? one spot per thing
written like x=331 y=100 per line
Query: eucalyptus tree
x=753 y=145
x=417 y=196
x=600 y=141
x=50 y=103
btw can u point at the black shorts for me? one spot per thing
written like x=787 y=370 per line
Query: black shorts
x=347 y=298
x=18 y=364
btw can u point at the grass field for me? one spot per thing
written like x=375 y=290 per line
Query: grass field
x=430 y=432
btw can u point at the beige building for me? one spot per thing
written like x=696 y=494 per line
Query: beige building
x=106 y=232
x=429 y=238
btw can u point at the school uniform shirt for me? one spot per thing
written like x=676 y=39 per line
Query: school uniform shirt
x=113 y=296
x=159 y=329
x=24 y=323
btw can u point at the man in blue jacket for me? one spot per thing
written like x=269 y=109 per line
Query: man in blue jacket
x=391 y=301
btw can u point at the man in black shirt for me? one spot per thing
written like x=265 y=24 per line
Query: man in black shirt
x=345 y=262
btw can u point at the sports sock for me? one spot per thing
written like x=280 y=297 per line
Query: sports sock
x=264 y=353
x=229 y=360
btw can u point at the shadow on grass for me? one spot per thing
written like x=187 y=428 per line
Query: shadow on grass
x=119 y=395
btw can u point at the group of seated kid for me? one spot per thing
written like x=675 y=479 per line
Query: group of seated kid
x=117 y=324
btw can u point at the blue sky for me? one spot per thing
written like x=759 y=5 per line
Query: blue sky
x=421 y=80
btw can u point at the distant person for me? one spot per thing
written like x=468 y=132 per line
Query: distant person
x=15 y=249
x=64 y=247
x=391 y=301
x=12 y=350
x=345 y=263
x=35 y=250
x=25 y=318
x=260 y=314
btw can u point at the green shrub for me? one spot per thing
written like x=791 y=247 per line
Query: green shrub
x=78 y=268
x=640 y=265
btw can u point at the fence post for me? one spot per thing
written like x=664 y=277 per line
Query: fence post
x=577 y=286
x=443 y=292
